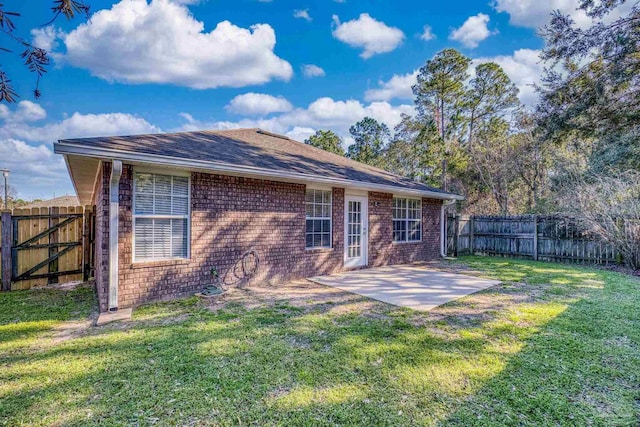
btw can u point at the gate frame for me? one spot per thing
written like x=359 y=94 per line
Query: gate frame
x=10 y=246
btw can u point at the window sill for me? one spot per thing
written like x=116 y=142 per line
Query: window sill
x=412 y=242
x=318 y=249
x=162 y=263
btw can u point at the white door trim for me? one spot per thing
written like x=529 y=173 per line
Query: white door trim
x=363 y=259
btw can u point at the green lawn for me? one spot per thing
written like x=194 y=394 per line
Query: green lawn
x=556 y=345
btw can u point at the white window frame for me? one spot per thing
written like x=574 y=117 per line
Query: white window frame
x=406 y=219
x=330 y=217
x=157 y=171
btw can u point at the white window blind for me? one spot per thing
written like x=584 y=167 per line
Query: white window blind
x=318 y=224
x=161 y=216
x=407 y=220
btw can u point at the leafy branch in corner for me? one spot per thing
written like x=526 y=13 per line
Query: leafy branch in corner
x=34 y=58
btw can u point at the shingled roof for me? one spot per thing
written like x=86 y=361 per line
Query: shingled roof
x=254 y=151
x=56 y=202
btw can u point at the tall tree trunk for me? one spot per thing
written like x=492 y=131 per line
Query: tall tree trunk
x=446 y=151
x=471 y=123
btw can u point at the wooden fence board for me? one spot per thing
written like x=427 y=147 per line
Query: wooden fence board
x=545 y=238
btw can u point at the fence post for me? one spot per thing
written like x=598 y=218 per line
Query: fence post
x=456 y=234
x=5 y=243
x=472 y=223
x=535 y=237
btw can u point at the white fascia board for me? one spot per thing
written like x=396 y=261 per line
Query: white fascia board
x=226 y=168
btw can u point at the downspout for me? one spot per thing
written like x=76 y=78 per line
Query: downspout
x=114 y=184
x=443 y=228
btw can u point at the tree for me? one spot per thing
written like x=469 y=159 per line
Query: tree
x=370 y=139
x=494 y=160
x=35 y=58
x=532 y=160
x=608 y=207
x=12 y=198
x=491 y=94
x=326 y=140
x=591 y=88
x=415 y=150
x=440 y=94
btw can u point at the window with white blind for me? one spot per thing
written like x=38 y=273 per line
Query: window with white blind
x=160 y=217
x=407 y=220
x=318 y=224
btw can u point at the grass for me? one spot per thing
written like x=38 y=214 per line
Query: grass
x=555 y=345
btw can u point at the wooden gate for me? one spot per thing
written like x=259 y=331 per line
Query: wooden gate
x=42 y=246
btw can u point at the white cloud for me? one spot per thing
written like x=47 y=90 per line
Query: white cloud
x=311 y=70
x=367 y=33
x=46 y=38
x=299 y=133
x=535 y=13
x=161 y=42
x=524 y=68
x=35 y=170
x=398 y=86
x=427 y=33
x=26 y=111
x=473 y=31
x=258 y=104
x=87 y=125
x=323 y=113
x=18 y=124
x=25 y=144
x=302 y=14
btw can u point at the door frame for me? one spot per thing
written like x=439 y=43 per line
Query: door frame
x=364 y=259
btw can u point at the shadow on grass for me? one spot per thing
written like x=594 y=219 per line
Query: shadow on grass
x=558 y=359
x=582 y=368
x=24 y=314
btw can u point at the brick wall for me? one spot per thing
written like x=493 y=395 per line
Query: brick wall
x=231 y=215
x=382 y=249
x=101 y=201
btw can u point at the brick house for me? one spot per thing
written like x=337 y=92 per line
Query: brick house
x=170 y=207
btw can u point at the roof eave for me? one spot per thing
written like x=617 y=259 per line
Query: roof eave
x=67 y=148
x=73 y=181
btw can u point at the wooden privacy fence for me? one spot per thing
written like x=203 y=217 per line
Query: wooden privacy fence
x=539 y=237
x=42 y=246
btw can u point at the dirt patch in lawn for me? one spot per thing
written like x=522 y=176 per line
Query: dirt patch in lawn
x=475 y=309
x=70 y=330
x=472 y=310
x=311 y=296
x=303 y=294
x=469 y=312
x=450 y=267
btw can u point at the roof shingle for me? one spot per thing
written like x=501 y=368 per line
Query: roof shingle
x=251 y=148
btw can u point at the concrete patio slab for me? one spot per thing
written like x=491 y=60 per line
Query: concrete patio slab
x=411 y=286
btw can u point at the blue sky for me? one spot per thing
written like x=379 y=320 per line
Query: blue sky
x=292 y=67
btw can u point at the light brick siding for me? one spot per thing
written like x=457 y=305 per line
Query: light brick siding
x=231 y=215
